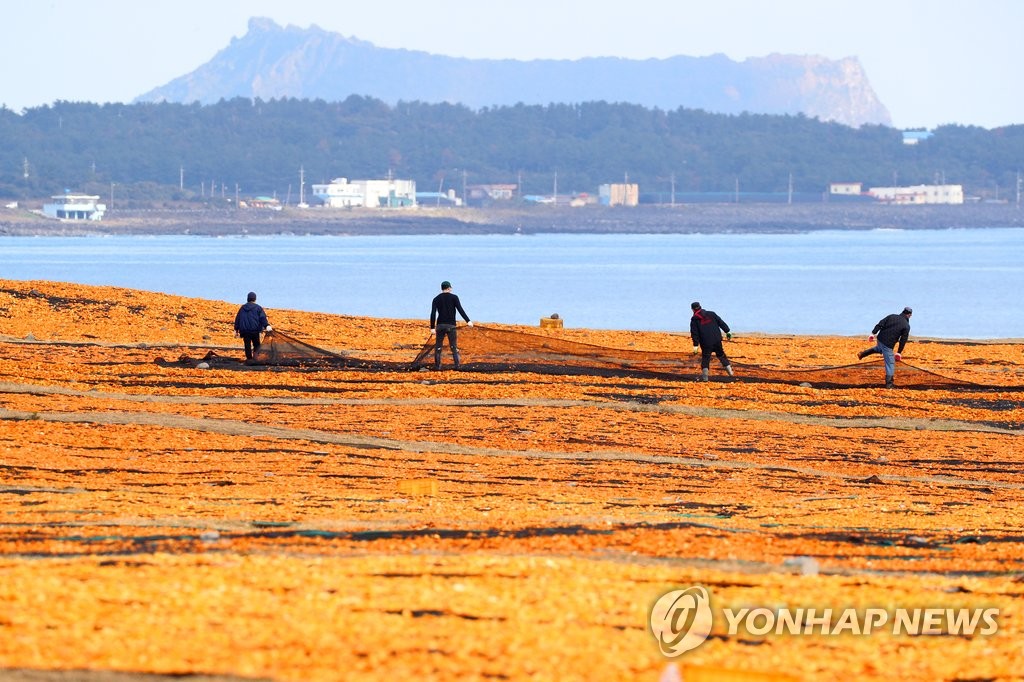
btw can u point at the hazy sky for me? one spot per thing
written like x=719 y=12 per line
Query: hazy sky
x=930 y=62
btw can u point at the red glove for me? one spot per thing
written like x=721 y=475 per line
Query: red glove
x=871 y=338
x=898 y=356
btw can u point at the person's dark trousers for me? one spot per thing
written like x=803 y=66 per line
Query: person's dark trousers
x=252 y=343
x=444 y=330
x=705 y=356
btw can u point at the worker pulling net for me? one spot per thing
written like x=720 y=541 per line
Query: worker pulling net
x=487 y=349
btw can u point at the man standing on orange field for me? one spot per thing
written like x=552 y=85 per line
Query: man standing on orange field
x=706 y=328
x=442 y=315
x=250 y=320
x=890 y=330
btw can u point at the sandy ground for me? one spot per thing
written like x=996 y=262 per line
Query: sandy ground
x=239 y=522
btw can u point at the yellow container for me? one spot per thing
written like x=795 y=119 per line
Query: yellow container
x=551 y=323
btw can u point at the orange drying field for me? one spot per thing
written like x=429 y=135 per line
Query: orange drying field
x=297 y=524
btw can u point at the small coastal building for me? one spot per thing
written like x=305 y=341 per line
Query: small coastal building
x=845 y=188
x=74 y=207
x=267 y=203
x=438 y=199
x=912 y=137
x=478 y=194
x=619 y=194
x=343 y=193
x=919 y=194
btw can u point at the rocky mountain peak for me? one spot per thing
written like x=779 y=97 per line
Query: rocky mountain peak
x=310 y=63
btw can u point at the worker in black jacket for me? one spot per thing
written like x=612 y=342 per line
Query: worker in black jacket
x=250 y=320
x=706 y=329
x=443 y=323
x=891 y=330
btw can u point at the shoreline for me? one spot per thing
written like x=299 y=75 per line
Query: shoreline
x=591 y=219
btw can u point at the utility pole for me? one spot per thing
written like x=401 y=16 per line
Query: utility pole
x=737 y=190
x=181 y=177
x=1018 y=189
x=463 y=188
x=672 y=195
x=519 y=185
x=302 y=184
x=554 y=201
x=111 y=196
x=790 y=198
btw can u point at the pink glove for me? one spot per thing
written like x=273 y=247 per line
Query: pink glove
x=871 y=338
x=898 y=356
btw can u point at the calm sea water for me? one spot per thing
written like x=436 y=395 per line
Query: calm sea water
x=961 y=283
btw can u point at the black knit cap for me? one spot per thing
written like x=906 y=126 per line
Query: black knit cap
x=908 y=310
x=695 y=305
x=251 y=297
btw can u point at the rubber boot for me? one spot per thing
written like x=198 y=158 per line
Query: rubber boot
x=437 y=360
x=704 y=374
x=455 y=358
x=890 y=381
x=728 y=370
x=863 y=354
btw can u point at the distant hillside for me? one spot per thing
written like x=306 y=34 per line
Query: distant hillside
x=187 y=149
x=273 y=62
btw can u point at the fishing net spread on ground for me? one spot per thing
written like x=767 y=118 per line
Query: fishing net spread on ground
x=488 y=349
x=281 y=349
